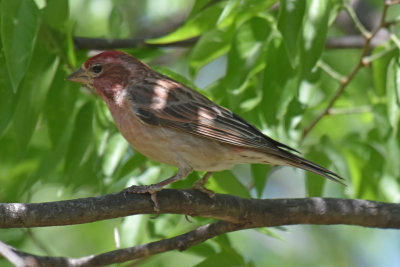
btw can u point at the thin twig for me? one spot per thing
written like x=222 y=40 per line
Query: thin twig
x=331 y=72
x=180 y=243
x=11 y=255
x=356 y=21
x=361 y=63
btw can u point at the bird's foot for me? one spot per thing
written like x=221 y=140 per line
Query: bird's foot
x=143 y=189
x=199 y=185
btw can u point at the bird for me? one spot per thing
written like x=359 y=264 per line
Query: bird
x=173 y=124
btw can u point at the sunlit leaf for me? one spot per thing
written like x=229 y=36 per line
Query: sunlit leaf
x=227 y=183
x=289 y=23
x=116 y=148
x=198 y=6
x=210 y=46
x=314 y=33
x=19 y=25
x=393 y=103
x=380 y=68
x=278 y=89
x=247 y=53
x=396 y=70
x=32 y=93
x=201 y=22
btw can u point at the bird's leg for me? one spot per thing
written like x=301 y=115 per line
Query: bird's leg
x=154 y=188
x=199 y=185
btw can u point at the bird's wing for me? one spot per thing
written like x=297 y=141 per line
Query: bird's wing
x=172 y=105
x=169 y=104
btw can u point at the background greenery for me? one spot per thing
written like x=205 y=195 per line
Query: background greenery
x=262 y=60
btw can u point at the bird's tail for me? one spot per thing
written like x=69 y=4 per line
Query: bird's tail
x=299 y=162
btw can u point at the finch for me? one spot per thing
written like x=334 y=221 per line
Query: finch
x=171 y=123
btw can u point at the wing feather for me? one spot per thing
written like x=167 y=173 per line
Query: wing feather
x=186 y=110
x=175 y=106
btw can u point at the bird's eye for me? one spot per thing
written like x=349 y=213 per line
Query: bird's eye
x=97 y=69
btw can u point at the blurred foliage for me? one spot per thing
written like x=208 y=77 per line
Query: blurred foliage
x=262 y=60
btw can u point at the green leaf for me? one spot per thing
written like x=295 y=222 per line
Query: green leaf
x=222 y=258
x=252 y=8
x=325 y=155
x=118 y=26
x=81 y=139
x=315 y=183
x=247 y=53
x=393 y=103
x=289 y=24
x=32 y=93
x=136 y=161
x=115 y=150
x=314 y=33
x=226 y=182
x=56 y=13
x=200 y=23
x=19 y=26
x=60 y=102
x=381 y=124
x=372 y=172
x=227 y=15
x=210 y=46
x=396 y=70
x=278 y=88
x=380 y=68
x=7 y=97
x=260 y=176
x=198 y=6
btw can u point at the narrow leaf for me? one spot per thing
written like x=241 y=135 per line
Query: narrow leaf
x=56 y=13
x=203 y=21
x=81 y=139
x=314 y=33
x=289 y=24
x=19 y=26
x=210 y=46
x=31 y=95
x=7 y=97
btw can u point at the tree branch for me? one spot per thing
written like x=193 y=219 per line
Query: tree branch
x=180 y=243
x=354 y=42
x=260 y=212
x=238 y=214
x=82 y=43
x=107 y=44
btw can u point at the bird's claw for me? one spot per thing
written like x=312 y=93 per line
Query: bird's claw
x=143 y=189
x=200 y=186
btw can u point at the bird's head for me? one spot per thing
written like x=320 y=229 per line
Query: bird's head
x=108 y=73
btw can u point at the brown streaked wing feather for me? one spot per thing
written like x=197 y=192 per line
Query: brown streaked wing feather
x=186 y=110
x=195 y=114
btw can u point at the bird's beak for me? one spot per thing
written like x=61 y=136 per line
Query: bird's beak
x=79 y=76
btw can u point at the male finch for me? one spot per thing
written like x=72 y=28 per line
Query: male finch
x=171 y=123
